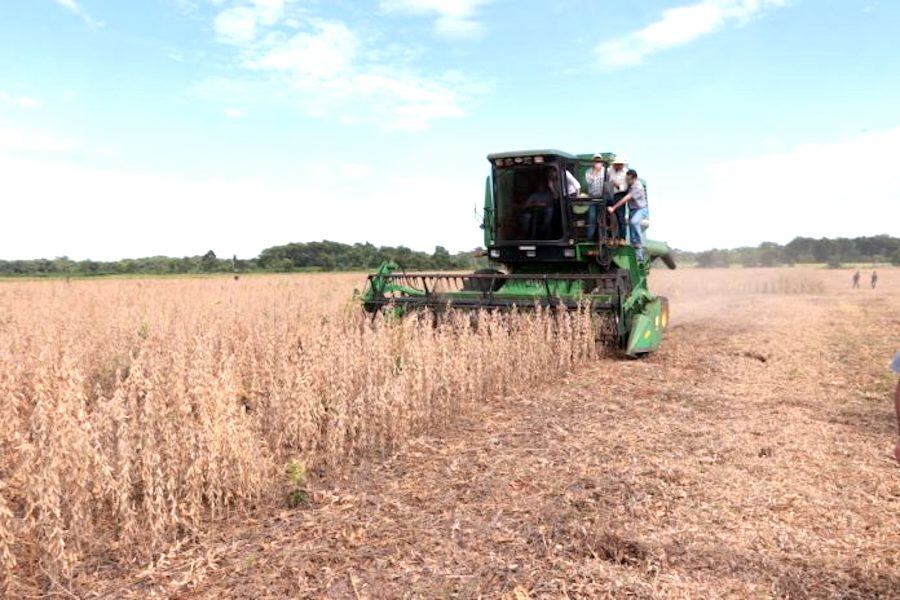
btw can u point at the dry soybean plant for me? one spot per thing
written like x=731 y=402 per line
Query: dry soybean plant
x=137 y=411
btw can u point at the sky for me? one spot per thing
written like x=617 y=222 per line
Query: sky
x=172 y=127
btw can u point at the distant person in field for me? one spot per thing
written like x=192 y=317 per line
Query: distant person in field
x=597 y=188
x=874 y=279
x=856 y=280
x=637 y=204
x=895 y=367
x=618 y=185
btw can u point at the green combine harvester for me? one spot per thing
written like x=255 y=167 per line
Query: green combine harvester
x=543 y=258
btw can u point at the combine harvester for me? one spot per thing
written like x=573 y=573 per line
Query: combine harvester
x=543 y=258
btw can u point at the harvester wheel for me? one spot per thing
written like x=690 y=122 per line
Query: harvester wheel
x=484 y=285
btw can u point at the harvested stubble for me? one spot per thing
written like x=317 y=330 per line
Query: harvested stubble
x=138 y=411
x=741 y=282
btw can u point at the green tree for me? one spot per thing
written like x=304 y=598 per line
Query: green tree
x=209 y=262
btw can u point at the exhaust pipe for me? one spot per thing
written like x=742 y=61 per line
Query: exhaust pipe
x=661 y=251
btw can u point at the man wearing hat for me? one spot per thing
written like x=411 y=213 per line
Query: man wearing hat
x=597 y=188
x=596 y=177
x=895 y=367
x=617 y=175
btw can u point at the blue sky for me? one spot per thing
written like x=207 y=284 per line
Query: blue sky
x=176 y=126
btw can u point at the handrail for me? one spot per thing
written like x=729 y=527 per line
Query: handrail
x=505 y=276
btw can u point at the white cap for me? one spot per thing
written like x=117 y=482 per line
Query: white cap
x=598 y=156
x=619 y=161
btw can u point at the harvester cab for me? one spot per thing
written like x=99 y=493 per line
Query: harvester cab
x=550 y=245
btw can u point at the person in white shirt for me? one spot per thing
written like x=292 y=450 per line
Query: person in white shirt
x=617 y=175
x=619 y=187
x=573 y=186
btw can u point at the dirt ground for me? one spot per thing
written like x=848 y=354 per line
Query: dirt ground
x=749 y=458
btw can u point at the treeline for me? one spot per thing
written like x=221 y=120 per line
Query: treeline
x=833 y=252
x=313 y=256
x=332 y=256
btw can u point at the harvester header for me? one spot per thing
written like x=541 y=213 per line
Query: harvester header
x=551 y=242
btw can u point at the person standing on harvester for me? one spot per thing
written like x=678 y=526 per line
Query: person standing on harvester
x=619 y=187
x=637 y=203
x=597 y=187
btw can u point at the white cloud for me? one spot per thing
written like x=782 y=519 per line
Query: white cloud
x=236 y=25
x=19 y=101
x=453 y=18
x=234 y=113
x=332 y=72
x=845 y=188
x=321 y=54
x=240 y=24
x=75 y=8
x=678 y=26
x=356 y=170
x=14 y=141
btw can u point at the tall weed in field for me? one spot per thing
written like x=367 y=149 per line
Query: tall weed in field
x=137 y=411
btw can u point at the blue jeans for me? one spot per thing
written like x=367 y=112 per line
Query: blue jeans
x=634 y=226
x=621 y=222
x=592 y=222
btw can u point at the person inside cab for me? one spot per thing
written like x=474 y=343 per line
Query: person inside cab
x=536 y=216
x=573 y=186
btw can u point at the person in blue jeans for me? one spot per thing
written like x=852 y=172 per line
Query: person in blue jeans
x=637 y=204
x=597 y=189
x=619 y=187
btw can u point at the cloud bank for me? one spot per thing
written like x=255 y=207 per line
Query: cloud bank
x=679 y=26
x=453 y=18
x=330 y=70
